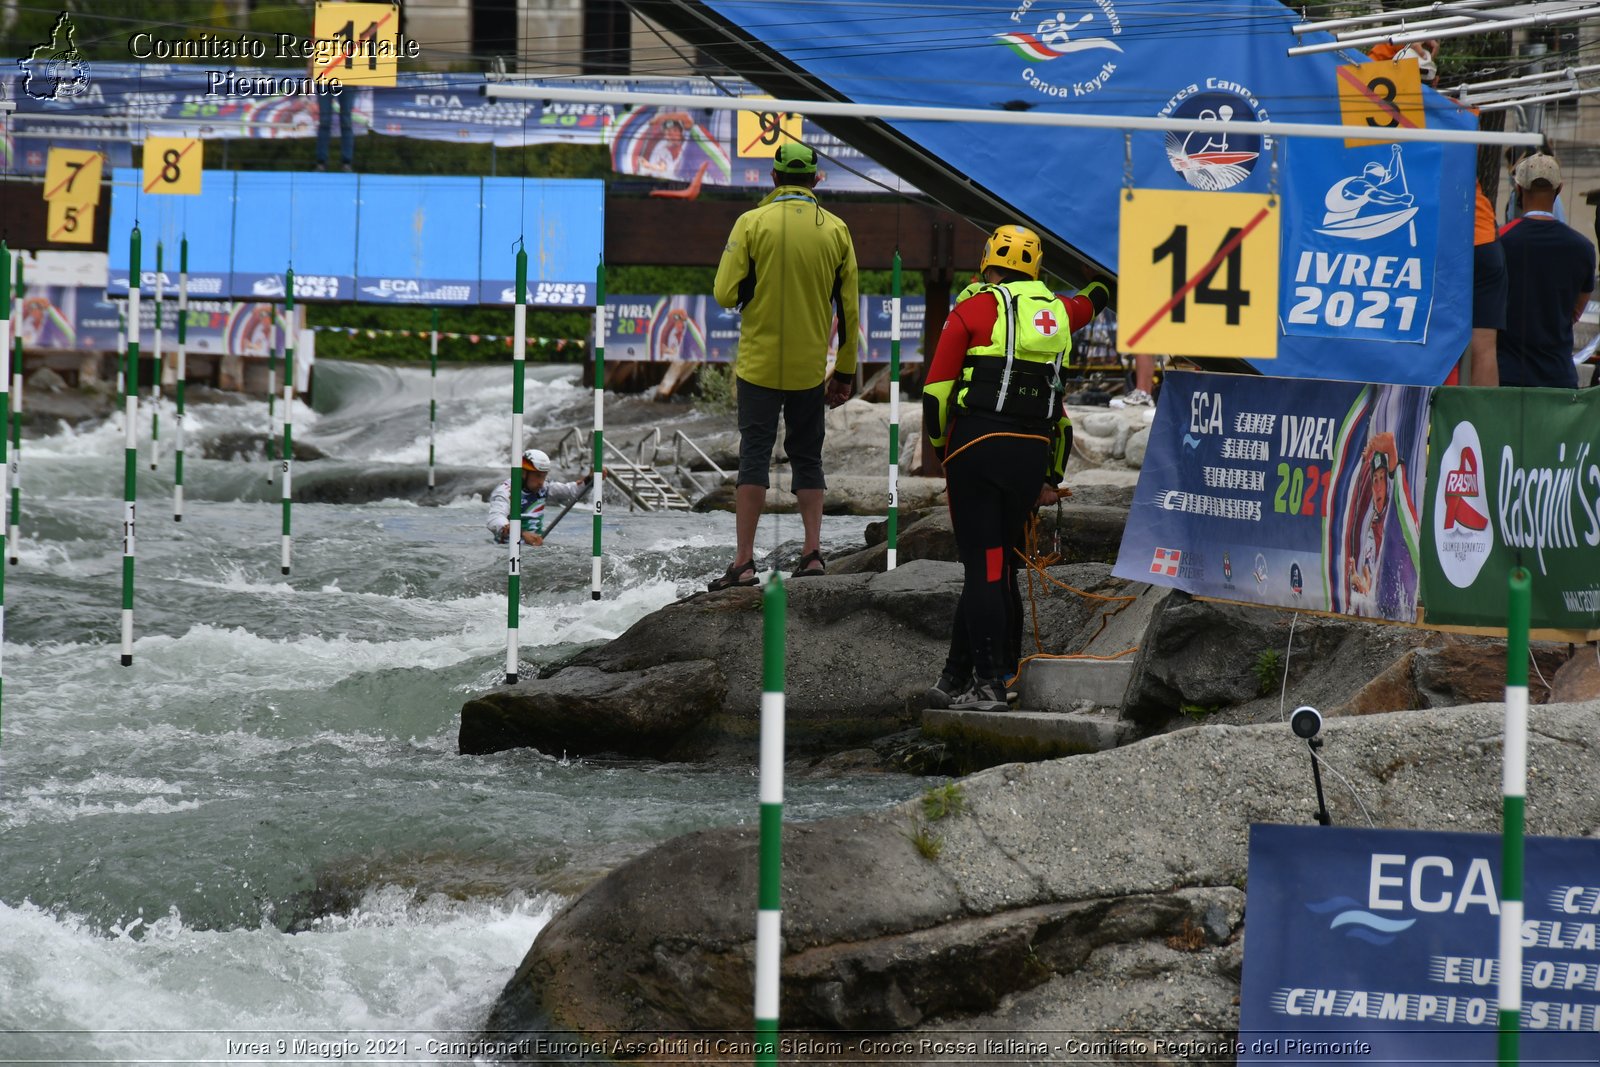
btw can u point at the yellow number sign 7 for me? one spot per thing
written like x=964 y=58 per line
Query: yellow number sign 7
x=73 y=174
x=173 y=165
x=1198 y=274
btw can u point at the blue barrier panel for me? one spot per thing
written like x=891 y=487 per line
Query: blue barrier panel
x=418 y=241
x=207 y=220
x=562 y=223
x=1381 y=946
x=305 y=219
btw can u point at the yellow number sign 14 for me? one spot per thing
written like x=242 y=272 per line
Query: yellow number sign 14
x=173 y=165
x=1198 y=274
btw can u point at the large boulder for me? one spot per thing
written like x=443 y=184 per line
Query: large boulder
x=1095 y=893
x=685 y=681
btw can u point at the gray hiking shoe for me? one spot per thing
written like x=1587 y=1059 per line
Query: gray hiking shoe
x=982 y=696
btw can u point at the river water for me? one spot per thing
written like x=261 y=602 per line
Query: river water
x=262 y=831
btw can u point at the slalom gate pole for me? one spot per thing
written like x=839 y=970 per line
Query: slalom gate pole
x=599 y=463
x=1513 y=791
x=514 y=506
x=433 y=391
x=272 y=394
x=183 y=374
x=155 y=376
x=122 y=338
x=894 y=416
x=769 y=914
x=5 y=343
x=15 y=534
x=130 y=462
x=288 y=411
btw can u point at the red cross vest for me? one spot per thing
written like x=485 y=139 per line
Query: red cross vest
x=1018 y=373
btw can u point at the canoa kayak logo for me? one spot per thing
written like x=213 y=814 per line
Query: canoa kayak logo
x=1080 y=30
x=1215 y=160
x=1462 y=531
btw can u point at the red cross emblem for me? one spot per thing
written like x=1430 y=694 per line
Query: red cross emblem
x=1045 y=322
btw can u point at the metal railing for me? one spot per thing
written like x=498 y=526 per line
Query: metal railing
x=572 y=451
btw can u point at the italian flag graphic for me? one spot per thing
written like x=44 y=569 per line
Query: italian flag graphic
x=1028 y=46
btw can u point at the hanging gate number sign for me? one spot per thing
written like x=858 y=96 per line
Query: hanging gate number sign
x=173 y=165
x=1198 y=274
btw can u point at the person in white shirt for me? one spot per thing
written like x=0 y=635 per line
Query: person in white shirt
x=536 y=492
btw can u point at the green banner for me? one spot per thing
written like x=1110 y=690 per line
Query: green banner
x=1514 y=480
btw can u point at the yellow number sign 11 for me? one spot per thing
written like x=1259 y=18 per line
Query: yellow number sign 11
x=356 y=44
x=1198 y=274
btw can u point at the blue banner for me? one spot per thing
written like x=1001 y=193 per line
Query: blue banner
x=372 y=238
x=1285 y=492
x=695 y=328
x=1111 y=59
x=1381 y=946
x=416 y=240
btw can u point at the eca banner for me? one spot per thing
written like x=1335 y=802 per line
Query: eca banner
x=650 y=328
x=1382 y=947
x=215 y=327
x=1287 y=492
x=1516 y=481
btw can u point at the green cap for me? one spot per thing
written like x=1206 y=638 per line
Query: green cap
x=795 y=158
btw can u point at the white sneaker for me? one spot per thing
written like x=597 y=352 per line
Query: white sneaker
x=1134 y=398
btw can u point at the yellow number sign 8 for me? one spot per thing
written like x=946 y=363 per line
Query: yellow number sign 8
x=173 y=165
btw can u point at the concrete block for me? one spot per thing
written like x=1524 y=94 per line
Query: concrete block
x=1063 y=685
x=979 y=739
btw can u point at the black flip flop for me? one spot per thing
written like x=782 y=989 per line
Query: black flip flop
x=734 y=575
x=805 y=560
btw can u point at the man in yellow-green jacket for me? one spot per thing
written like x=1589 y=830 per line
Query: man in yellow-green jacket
x=790 y=269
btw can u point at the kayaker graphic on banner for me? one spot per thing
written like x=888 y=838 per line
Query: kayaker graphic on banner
x=1359 y=242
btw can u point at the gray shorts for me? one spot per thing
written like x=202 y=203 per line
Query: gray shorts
x=805 y=424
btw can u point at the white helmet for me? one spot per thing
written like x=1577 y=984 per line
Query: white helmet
x=1424 y=58
x=535 y=460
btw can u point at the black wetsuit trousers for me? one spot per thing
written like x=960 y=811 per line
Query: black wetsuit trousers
x=993 y=471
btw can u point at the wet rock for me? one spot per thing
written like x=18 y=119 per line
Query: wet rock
x=1579 y=677
x=1091 y=893
x=246 y=446
x=585 y=709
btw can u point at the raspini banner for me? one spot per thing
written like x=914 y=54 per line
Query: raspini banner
x=1515 y=478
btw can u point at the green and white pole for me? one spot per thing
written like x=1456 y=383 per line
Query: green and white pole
x=130 y=462
x=15 y=463
x=272 y=394
x=599 y=463
x=433 y=391
x=5 y=343
x=894 y=415
x=155 y=377
x=288 y=410
x=183 y=374
x=122 y=337
x=1513 y=792
x=514 y=535
x=769 y=914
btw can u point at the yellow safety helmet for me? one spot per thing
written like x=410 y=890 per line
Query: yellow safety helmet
x=1015 y=247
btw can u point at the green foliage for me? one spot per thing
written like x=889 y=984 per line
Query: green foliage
x=552 y=325
x=715 y=385
x=1267 y=668
x=1199 y=711
x=929 y=845
x=943 y=801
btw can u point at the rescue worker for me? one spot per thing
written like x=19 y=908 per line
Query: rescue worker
x=992 y=403
x=536 y=491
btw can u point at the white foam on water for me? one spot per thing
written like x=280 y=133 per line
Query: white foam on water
x=396 y=968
